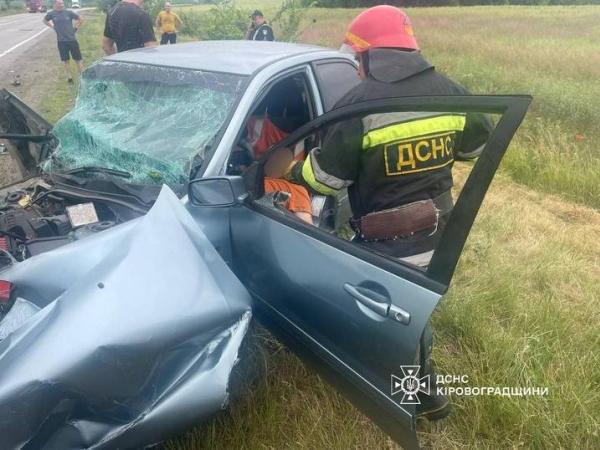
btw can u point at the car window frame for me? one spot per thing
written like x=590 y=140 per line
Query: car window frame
x=316 y=64
x=202 y=168
x=303 y=69
x=441 y=269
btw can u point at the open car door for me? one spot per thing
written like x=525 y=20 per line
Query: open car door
x=357 y=316
x=25 y=133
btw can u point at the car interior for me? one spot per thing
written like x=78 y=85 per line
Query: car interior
x=285 y=107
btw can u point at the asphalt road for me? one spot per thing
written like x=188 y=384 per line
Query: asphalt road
x=27 y=48
x=18 y=35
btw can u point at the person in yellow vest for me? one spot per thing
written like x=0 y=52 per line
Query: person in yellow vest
x=168 y=23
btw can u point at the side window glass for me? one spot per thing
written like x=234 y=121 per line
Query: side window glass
x=335 y=80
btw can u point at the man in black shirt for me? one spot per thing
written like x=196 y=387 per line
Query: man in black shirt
x=127 y=27
x=61 y=21
x=259 y=29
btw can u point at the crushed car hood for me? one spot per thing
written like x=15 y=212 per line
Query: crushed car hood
x=136 y=335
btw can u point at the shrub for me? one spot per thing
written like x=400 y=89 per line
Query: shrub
x=222 y=21
x=288 y=19
x=225 y=21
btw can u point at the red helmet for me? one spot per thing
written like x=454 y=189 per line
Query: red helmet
x=382 y=26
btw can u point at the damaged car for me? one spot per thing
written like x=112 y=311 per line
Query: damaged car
x=141 y=241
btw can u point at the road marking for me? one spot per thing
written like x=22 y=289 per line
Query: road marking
x=12 y=21
x=14 y=47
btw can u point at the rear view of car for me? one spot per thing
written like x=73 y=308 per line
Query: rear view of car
x=34 y=6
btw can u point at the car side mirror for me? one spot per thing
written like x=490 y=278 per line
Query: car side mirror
x=217 y=191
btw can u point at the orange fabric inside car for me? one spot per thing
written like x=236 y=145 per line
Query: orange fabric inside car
x=299 y=199
x=263 y=134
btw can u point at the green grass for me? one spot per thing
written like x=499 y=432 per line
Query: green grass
x=11 y=11
x=524 y=308
x=266 y=6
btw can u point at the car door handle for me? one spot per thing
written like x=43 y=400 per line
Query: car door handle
x=378 y=303
x=381 y=305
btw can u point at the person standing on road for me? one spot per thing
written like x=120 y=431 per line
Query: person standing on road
x=259 y=29
x=397 y=166
x=66 y=23
x=127 y=27
x=168 y=24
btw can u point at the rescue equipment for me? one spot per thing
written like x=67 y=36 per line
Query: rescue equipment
x=382 y=26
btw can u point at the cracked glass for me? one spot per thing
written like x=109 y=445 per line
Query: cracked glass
x=156 y=123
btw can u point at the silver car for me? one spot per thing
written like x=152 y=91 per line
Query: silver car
x=186 y=117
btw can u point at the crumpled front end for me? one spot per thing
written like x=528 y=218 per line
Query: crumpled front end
x=137 y=332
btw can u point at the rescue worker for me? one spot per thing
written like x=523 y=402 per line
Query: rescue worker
x=259 y=29
x=396 y=166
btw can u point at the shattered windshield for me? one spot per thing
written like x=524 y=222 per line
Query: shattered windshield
x=152 y=122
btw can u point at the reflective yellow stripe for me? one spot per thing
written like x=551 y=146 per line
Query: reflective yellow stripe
x=358 y=41
x=413 y=129
x=309 y=176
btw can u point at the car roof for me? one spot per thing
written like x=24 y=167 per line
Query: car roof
x=238 y=57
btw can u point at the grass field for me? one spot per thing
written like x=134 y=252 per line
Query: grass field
x=524 y=308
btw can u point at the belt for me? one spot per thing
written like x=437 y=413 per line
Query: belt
x=444 y=203
x=403 y=221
